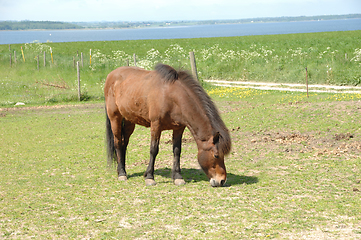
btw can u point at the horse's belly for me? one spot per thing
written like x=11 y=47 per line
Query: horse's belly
x=135 y=112
x=137 y=120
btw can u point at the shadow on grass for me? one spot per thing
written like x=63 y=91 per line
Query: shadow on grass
x=197 y=175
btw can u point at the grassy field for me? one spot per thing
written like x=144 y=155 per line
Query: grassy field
x=294 y=173
x=331 y=58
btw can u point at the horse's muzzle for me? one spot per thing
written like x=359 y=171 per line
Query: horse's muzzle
x=215 y=183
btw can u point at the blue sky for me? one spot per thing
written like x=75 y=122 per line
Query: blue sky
x=160 y=10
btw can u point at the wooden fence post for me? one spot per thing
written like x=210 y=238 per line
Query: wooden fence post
x=193 y=65
x=78 y=71
x=14 y=56
x=22 y=52
x=127 y=63
x=307 y=81
x=82 y=60
x=135 y=59
x=44 y=59
x=10 y=58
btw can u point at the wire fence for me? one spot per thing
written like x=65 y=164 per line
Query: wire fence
x=57 y=69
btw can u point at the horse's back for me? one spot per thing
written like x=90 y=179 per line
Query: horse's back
x=129 y=91
x=122 y=73
x=124 y=79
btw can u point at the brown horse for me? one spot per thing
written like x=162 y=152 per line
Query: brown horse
x=164 y=99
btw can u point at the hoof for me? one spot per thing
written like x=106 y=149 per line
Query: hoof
x=179 y=182
x=150 y=182
x=122 y=178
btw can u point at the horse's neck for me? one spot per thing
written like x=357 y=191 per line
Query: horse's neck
x=196 y=120
x=200 y=130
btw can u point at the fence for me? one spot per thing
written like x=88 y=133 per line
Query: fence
x=59 y=69
x=78 y=64
x=253 y=64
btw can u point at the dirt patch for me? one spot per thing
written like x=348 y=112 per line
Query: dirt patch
x=334 y=141
x=283 y=138
x=337 y=144
x=58 y=108
x=342 y=136
x=184 y=141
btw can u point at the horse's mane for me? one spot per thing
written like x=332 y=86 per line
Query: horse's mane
x=169 y=74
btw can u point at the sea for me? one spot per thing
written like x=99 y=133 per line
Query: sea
x=195 y=31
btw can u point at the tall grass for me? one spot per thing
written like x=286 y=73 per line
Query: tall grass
x=331 y=58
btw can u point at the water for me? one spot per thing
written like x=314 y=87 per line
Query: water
x=199 y=31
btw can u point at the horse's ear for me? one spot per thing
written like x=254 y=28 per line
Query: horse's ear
x=216 y=138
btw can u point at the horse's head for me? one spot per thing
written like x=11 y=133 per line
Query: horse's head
x=212 y=162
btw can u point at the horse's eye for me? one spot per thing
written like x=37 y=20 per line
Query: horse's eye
x=216 y=156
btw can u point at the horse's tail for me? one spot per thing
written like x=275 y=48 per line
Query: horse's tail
x=109 y=138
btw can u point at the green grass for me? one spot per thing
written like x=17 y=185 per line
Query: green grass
x=294 y=171
x=331 y=58
x=288 y=174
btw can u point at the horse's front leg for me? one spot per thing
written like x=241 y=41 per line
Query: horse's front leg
x=154 y=149
x=177 y=148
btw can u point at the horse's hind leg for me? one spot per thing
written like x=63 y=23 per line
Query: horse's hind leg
x=177 y=148
x=122 y=130
x=126 y=131
x=118 y=145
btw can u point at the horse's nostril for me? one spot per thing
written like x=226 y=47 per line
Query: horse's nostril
x=215 y=183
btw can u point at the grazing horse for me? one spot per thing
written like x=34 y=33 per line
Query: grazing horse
x=164 y=99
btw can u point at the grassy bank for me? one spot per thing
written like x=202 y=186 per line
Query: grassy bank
x=293 y=173
x=331 y=58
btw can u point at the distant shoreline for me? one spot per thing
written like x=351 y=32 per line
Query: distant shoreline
x=49 y=25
